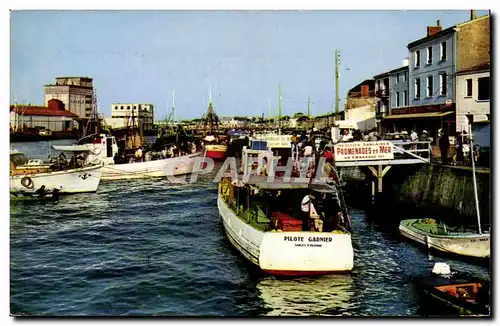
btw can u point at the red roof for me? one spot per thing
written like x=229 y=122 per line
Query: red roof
x=42 y=111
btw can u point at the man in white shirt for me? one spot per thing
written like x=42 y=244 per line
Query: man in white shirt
x=308 y=150
x=413 y=135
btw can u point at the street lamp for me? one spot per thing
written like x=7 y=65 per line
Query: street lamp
x=470 y=117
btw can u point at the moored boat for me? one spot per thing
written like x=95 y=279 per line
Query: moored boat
x=215 y=151
x=444 y=238
x=103 y=148
x=284 y=227
x=452 y=293
x=43 y=179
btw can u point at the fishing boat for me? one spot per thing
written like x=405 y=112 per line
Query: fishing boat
x=36 y=178
x=444 y=238
x=214 y=150
x=450 y=292
x=103 y=148
x=285 y=227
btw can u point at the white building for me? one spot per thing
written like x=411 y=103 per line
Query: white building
x=75 y=92
x=363 y=117
x=126 y=114
x=472 y=95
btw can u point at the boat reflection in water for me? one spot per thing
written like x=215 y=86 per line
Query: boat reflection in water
x=329 y=295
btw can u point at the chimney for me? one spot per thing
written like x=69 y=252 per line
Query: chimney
x=406 y=62
x=473 y=15
x=431 y=30
x=364 y=90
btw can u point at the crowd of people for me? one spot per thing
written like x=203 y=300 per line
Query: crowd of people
x=145 y=154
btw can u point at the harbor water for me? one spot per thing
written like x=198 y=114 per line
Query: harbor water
x=148 y=247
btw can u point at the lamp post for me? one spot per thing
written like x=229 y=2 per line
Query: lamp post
x=470 y=117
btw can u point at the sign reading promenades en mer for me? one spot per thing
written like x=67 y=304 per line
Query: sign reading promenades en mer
x=343 y=152
x=362 y=151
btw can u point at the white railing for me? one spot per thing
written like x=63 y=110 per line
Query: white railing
x=421 y=150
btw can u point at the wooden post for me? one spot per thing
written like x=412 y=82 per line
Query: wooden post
x=379 y=174
x=379 y=177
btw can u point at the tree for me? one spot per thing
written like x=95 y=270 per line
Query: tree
x=298 y=115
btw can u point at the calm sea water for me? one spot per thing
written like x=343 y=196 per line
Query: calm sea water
x=152 y=248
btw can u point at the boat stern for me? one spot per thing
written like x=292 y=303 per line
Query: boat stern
x=306 y=253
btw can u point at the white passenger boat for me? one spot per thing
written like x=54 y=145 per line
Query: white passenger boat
x=103 y=148
x=38 y=179
x=285 y=227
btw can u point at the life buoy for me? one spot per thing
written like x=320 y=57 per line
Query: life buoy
x=27 y=182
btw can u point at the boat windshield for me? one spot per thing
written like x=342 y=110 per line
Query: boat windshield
x=18 y=159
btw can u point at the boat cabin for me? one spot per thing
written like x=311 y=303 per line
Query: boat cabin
x=285 y=206
x=21 y=165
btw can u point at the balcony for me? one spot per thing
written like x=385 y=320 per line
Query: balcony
x=382 y=93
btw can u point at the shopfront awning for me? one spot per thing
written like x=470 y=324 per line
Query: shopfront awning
x=418 y=115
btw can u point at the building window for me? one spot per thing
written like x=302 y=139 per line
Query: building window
x=406 y=76
x=430 y=87
x=121 y=107
x=405 y=98
x=443 y=51
x=468 y=87
x=135 y=107
x=483 y=89
x=397 y=99
x=417 y=88
x=429 y=55
x=397 y=77
x=417 y=59
x=442 y=84
x=128 y=107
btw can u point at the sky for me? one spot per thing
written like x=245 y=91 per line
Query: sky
x=242 y=56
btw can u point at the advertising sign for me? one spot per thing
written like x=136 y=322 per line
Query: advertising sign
x=359 y=151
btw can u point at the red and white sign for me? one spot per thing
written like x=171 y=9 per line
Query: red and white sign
x=362 y=151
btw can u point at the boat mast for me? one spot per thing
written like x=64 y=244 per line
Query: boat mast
x=337 y=84
x=173 y=108
x=471 y=117
x=309 y=107
x=269 y=109
x=279 y=109
x=16 y=120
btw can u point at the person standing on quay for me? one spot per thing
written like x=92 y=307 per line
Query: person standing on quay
x=444 y=145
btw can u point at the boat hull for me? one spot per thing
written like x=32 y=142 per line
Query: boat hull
x=288 y=253
x=67 y=182
x=467 y=244
x=175 y=166
x=215 y=151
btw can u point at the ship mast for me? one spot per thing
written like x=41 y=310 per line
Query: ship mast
x=211 y=119
x=93 y=121
x=337 y=84
x=173 y=118
x=279 y=109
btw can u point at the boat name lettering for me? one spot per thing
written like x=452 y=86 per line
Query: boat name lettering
x=481 y=239
x=308 y=245
x=320 y=239
x=289 y=238
x=310 y=239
